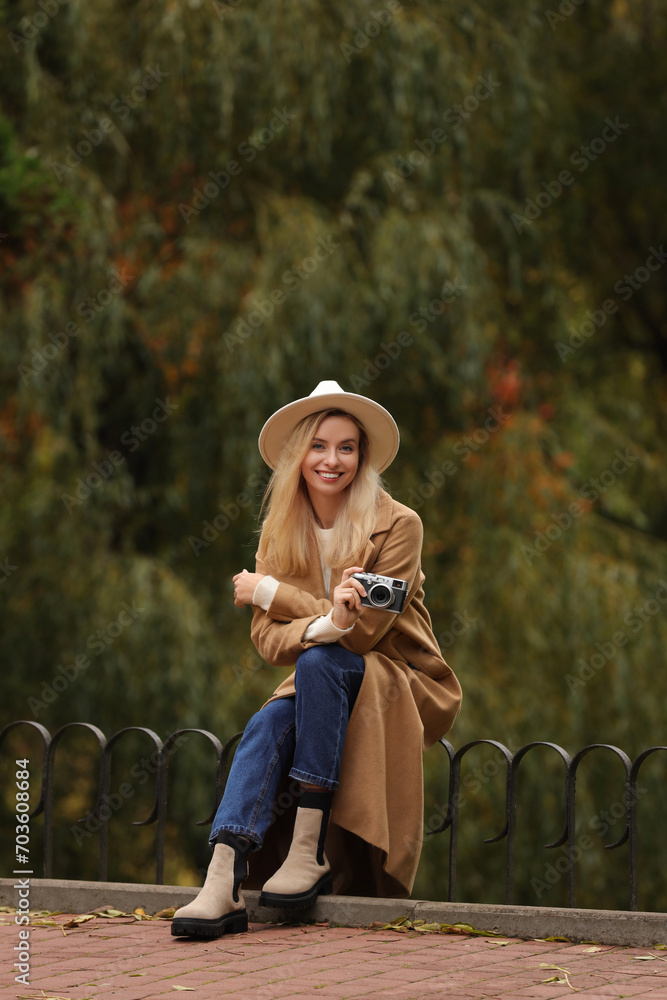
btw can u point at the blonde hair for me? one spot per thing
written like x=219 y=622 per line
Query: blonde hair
x=289 y=524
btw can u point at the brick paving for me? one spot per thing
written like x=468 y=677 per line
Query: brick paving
x=137 y=959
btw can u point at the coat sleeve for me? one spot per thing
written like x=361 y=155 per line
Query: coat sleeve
x=279 y=642
x=400 y=557
x=278 y=632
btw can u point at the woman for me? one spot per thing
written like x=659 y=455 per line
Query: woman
x=370 y=690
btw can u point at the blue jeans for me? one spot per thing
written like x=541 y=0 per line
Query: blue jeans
x=303 y=734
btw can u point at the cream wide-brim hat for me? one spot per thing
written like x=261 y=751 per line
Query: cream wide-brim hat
x=378 y=423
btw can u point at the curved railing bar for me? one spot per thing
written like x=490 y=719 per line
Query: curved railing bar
x=634 y=832
x=448 y=747
x=158 y=744
x=571 y=790
x=49 y=769
x=627 y=763
x=451 y=820
x=512 y=808
x=219 y=751
x=46 y=739
x=567 y=760
x=634 y=774
x=155 y=811
x=451 y=754
x=455 y=775
x=174 y=740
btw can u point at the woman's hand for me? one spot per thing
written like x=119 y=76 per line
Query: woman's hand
x=347 y=599
x=245 y=584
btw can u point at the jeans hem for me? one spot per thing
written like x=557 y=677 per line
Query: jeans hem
x=243 y=831
x=314 y=779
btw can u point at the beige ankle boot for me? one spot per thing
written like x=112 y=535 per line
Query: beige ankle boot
x=305 y=873
x=219 y=908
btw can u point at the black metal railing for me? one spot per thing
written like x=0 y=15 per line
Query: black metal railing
x=163 y=750
x=568 y=834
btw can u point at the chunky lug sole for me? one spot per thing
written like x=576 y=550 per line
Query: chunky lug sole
x=230 y=923
x=297 y=900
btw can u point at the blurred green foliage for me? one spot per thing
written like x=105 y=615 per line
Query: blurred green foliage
x=208 y=207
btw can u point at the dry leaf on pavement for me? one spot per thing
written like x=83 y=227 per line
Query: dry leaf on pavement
x=81 y=919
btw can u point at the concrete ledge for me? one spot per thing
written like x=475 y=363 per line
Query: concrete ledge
x=620 y=927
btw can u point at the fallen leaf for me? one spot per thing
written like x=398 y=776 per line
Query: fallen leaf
x=466 y=929
x=592 y=951
x=168 y=912
x=184 y=988
x=395 y=927
x=112 y=913
x=645 y=958
x=81 y=919
x=557 y=979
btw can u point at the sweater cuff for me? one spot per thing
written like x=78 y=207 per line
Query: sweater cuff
x=324 y=630
x=265 y=592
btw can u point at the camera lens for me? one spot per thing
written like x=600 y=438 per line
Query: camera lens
x=380 y=595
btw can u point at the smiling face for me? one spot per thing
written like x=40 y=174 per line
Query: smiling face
x=332 y=459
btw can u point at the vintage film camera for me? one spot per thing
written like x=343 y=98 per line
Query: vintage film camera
x=383 y=592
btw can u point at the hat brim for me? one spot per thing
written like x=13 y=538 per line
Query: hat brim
x=378 y=423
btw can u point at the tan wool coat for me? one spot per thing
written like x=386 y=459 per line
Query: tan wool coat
x=408 y=699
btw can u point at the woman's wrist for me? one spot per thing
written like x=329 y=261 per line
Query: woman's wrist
x=334 y=622
x=350 y=620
